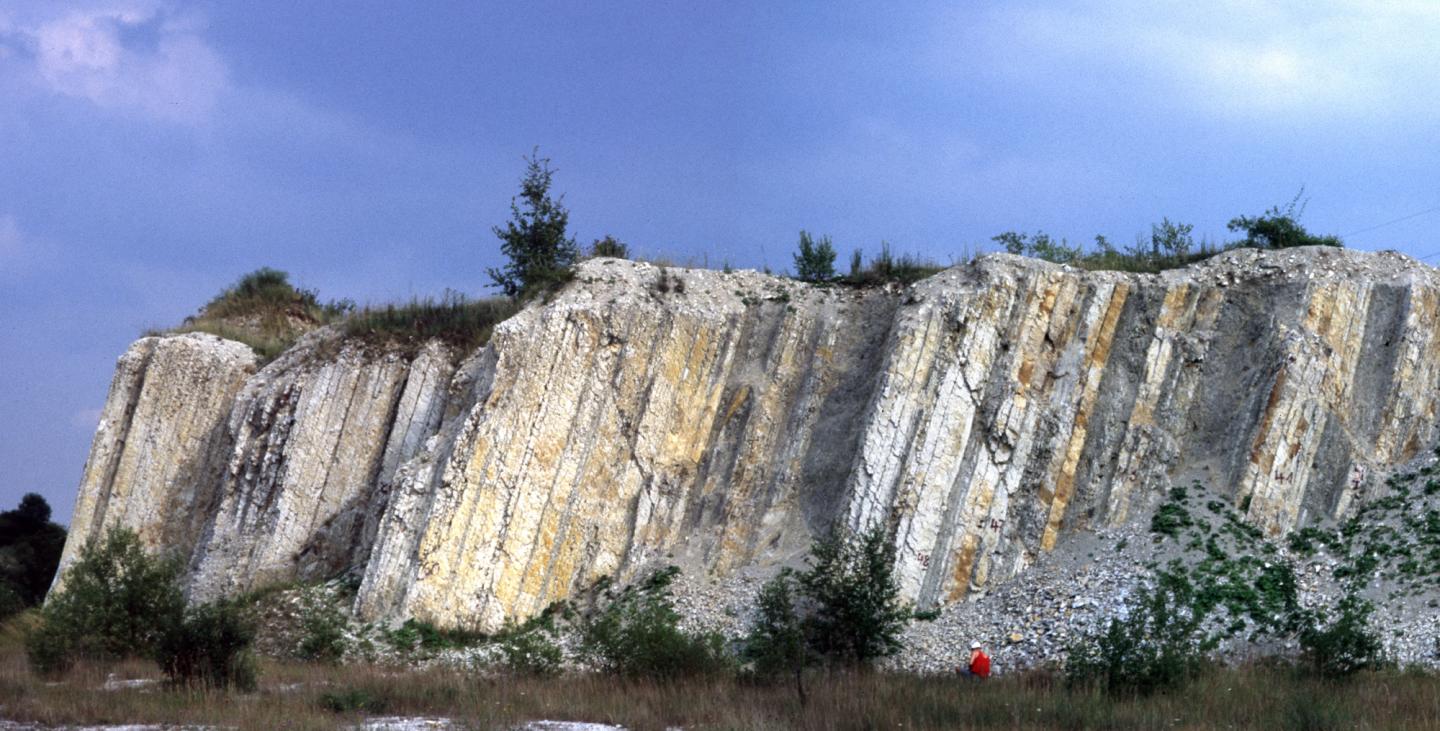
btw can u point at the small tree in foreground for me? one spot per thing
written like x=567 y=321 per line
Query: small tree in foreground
x=815 y=261
x=1159 y=646
x=855 y=612
x=775 y=646
x=118 y=601
x=115 y=602
x=534 y=239
x=1345 y=645
x=847 y=609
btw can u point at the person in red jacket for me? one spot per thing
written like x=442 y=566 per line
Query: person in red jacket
x=979 y=666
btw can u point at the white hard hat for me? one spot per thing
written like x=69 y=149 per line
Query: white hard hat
x=975 y=645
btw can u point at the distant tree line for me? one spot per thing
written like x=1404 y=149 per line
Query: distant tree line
x=30 y=546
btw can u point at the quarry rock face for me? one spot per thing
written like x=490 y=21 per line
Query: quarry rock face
x=161 y=436
x=720 y=421
x=315 y=446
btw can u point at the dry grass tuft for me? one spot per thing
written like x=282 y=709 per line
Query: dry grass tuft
x=462 y=323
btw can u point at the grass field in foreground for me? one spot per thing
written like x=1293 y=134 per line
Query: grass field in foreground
x=301 y=696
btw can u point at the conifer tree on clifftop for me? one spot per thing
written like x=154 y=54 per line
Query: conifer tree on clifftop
x=534 y=239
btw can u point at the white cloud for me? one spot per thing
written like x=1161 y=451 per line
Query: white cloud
x=133 y=57
x=1233 y=58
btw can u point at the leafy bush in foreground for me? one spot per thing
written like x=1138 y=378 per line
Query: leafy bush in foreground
x=855 y=612
x=210 y=646
x=776 y=643
x=115 y=602
x=1344 y=646
x=638 y=635
x=1160 y=646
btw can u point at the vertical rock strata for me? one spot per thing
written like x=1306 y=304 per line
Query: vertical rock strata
x=160 y=441
x=709 y=425
x=720 y=421
x=316 y=445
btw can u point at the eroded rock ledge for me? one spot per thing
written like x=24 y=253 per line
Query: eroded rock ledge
x=718 y=422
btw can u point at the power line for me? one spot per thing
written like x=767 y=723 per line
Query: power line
x=1387 y=223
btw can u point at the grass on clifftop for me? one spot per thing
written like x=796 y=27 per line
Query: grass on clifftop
x=264 y=311
x=460 y=322
x=887 y=267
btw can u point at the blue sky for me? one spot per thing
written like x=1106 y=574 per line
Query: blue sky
x=151 y=152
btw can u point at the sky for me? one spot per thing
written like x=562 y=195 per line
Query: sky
x=151 y=152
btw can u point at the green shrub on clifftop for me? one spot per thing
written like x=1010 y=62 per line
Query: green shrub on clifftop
x=1279 y=228
x=815 y=260
x=264 y=311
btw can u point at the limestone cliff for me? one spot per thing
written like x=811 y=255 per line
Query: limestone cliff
x=720 y=420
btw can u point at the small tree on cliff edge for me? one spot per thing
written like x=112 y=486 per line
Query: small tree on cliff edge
x=815 y=261
x=534 y=239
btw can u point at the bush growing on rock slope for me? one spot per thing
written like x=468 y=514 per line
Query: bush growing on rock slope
x=1159 y=646
x=1345 y=645
x=638 y=634
x=1230 y=582
x=855 y=614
